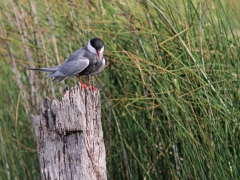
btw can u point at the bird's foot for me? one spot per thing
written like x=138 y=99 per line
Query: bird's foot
x=83 y=85
x=93 y=88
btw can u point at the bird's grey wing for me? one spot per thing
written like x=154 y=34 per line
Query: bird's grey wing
x=71 y=68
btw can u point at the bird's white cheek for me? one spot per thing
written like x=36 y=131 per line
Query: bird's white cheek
x=101 y=51
x=91 y=49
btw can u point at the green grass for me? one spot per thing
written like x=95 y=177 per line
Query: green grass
x=170 y=89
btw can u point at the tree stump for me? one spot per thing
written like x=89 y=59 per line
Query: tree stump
x=69 y=137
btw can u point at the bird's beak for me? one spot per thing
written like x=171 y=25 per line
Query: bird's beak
x=98 y=53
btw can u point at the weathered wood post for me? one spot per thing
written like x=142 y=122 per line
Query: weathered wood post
x=69 y=137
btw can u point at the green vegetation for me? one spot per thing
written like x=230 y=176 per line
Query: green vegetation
x=170 y=89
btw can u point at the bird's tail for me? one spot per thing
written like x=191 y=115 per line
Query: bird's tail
x=53 y=73
x=49 y=69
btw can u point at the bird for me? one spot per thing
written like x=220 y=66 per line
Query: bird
x=87 y=61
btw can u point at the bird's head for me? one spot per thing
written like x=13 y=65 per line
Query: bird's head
x=96 y=46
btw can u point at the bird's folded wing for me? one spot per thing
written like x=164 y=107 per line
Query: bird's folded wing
x=71 y=68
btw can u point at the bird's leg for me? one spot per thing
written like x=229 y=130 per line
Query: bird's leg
x=82 y=83
x=89 y=84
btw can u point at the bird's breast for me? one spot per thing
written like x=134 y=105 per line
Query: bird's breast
x=94 y=63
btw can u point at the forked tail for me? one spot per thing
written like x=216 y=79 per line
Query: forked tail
x=49 y=69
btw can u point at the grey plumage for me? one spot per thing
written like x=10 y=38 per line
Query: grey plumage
x=87 y=61
x=50 y=69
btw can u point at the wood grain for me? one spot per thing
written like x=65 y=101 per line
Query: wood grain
x=69 y=137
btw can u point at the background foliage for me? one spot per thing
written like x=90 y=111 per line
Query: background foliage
x=170 y=89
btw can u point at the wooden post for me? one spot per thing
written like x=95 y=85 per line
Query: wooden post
x=69 y=137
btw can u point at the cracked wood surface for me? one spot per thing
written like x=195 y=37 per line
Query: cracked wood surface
x=69 y=137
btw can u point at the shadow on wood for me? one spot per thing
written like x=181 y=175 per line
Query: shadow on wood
x=69 y=137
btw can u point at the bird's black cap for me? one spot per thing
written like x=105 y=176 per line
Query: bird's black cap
x=97 y=43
